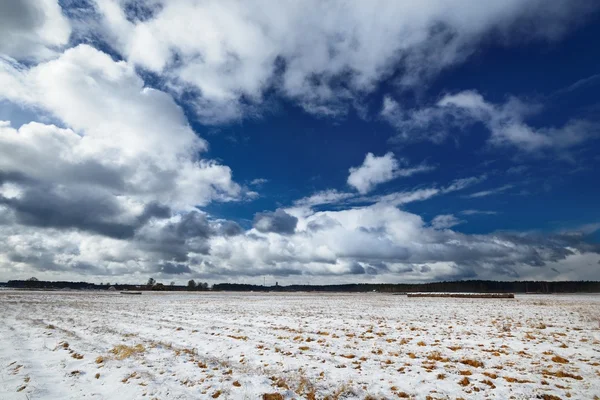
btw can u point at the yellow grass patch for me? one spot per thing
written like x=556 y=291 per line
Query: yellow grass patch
x=122 y=351
x=472 y=363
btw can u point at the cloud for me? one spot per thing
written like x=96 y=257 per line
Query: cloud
x=111 y=187
x=103 y=176
x=277 y=222
x=376 y=170
x=32 y=29
x=258 y=181
x=478 y=212
x=506 y=122
x=385 y=240
x=445 y=221
x=485 y=193
x=325 y=56
x=330 y=196
x=121 y=135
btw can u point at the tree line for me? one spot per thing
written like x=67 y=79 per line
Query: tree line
x=477 y=286
x=151 y=284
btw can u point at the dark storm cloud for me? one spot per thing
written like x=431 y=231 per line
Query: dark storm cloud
x=230 y=228
x=170 y=268
x=189 y=234
x=356 y=269
x=276 y=222
x=41 y=261
x=83 y=209
x=154 y=210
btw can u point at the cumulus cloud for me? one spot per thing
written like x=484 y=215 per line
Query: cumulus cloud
x=387 y=241
x=278 y=221
x=32 y=29
x=506 y=122
x=112 y=187
x=376 y=170
x=323 y=55
x=120 y=135
x=102 y=176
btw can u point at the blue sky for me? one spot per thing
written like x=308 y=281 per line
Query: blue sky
x=328 y=141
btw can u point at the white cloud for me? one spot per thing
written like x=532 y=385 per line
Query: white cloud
x=485 y=193
x=445 y=221
x=32 y=29
x=118 y=127
x=507 y=123
x=376 y=170
x=330 y=196
x=230 y=54
x=258 y=181
x=478 y=212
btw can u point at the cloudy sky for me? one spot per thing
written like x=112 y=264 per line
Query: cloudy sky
x=299 y=141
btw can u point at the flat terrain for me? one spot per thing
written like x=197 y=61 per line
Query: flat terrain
x=72 y=345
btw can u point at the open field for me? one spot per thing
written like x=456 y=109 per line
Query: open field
x=72 y=345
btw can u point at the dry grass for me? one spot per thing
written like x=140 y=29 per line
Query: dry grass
x=465 y=372
x=77 y=356
x=97 y=376
x=560 y=360
x=472 y=363
x=304 y=348
x=122 y=351
x=489 y=383
x=464 y=381
x=244 y=338
x=562 y=374
x=272 y=396
x=510 y=379
x=437 y=356
x=216 y=394
x=236 y=384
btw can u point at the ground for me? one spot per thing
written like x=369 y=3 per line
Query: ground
x=71 y=345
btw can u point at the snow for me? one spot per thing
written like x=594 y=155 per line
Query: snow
x=241 y=346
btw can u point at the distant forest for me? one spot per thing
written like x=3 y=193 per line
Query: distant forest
x=452 y=286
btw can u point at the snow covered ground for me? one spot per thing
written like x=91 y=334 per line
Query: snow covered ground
x=74 y=345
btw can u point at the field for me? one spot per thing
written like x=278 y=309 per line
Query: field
x=71 y=345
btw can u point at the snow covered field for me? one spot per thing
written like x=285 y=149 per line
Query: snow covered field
x=72 y=345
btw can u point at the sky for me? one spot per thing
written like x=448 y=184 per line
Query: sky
x=312 y=142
